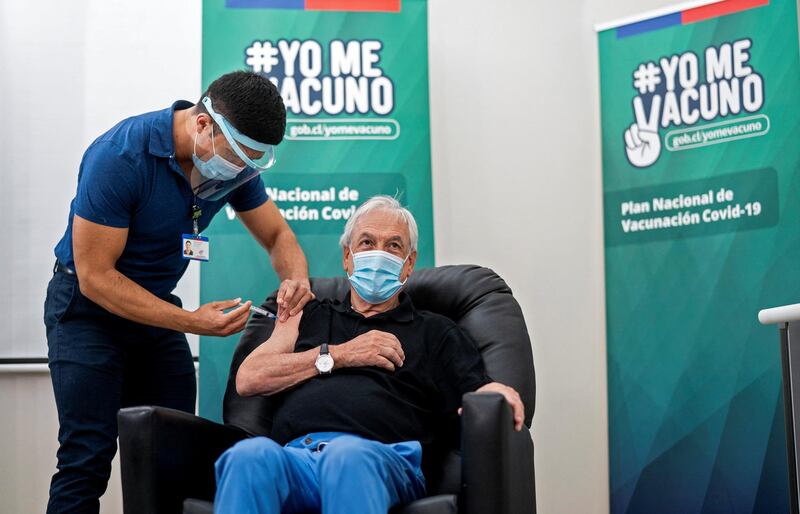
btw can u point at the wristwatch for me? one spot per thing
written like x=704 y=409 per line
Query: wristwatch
x=324 y=361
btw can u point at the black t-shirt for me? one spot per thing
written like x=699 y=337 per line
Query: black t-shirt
x=441 y=364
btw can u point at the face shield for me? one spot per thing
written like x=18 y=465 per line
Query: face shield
x=224 y=167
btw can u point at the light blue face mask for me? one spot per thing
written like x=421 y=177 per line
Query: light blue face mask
x=217 y=167
x=376 y=275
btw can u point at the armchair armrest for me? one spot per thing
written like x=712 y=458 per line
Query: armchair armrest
x=168 y=455
x=497 y=471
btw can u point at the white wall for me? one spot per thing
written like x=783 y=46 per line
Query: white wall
x=517 y=187
x=69 y=71
x=516 y=177
x=28 y=444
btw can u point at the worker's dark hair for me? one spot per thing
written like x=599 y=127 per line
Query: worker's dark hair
x=251 y=103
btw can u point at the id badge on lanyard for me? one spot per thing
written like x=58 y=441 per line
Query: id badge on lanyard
x=194 y=246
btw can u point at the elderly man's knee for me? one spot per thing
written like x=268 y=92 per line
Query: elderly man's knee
x=351 y=452
x=255 y=453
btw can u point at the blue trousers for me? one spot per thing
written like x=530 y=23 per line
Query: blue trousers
x=100 y=362
x=328 y=471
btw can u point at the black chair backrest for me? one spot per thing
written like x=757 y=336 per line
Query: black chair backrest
x=476 y=298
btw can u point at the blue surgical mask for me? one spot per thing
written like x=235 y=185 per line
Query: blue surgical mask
x=376 y=275
x=217 y=167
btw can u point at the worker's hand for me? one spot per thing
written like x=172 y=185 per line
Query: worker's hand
x=375 y=348
x=511 y=396
x=212 y=320
x=292 y=297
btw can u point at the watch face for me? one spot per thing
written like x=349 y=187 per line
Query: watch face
x=324 y=363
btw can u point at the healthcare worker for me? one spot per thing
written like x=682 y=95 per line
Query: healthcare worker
x=147 y=189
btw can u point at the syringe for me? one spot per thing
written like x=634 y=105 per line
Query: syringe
x=263 y=312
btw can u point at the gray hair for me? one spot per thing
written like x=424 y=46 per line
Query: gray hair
x=381 y=203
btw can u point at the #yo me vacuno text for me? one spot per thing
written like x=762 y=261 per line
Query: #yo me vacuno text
x=685 y=89
x=354 y=83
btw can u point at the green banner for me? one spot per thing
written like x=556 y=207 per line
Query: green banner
x=701 y=181
x=355 y=85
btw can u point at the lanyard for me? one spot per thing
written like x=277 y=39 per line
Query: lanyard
x=196 y=213
x=194 y=246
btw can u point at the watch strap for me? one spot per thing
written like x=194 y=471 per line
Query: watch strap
x=323 y=349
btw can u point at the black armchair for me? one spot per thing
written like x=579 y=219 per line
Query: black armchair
x=168 y=456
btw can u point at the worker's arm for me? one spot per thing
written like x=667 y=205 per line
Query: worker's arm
x=96 y=249
x=273 y=233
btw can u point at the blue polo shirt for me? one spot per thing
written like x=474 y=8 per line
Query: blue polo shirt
x=129 y=178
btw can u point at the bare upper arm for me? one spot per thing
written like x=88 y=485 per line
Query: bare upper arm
x=282 y=341
x=96 y=247
x=284 y=336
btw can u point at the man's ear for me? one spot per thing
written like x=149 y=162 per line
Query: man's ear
x=346 y=260
x=408 y=269
x=202 y=120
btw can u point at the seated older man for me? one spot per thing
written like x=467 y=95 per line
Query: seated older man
x=361 y=384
